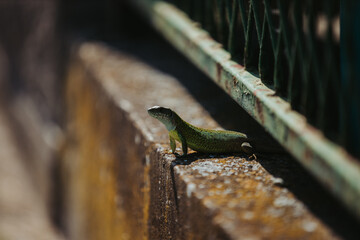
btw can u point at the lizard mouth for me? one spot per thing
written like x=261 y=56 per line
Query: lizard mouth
x=164 y=115
x=154 y=111
x=160 y=112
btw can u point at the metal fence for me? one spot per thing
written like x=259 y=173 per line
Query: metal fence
x=294 y=47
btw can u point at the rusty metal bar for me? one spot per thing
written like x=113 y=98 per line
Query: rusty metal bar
x=330 y=163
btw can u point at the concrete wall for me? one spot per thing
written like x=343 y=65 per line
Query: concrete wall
x=122 y=182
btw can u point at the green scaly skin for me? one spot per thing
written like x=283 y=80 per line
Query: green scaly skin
x=204 y=140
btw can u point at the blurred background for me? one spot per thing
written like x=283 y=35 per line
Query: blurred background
x=35 y=40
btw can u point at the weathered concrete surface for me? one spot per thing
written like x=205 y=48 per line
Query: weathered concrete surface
x=121 y=182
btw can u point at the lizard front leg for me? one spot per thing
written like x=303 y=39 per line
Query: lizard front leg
x=172 y=144
x=183 y=143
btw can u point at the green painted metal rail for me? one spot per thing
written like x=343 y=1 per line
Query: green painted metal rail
x=330 y=163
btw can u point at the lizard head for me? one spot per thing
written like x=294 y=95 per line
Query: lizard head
x=164 y=115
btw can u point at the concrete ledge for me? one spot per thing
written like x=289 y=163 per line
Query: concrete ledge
x=121 y=182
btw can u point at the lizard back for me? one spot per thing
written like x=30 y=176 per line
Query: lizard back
x=209 y=141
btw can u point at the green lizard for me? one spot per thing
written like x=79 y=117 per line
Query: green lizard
x=205 y=140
